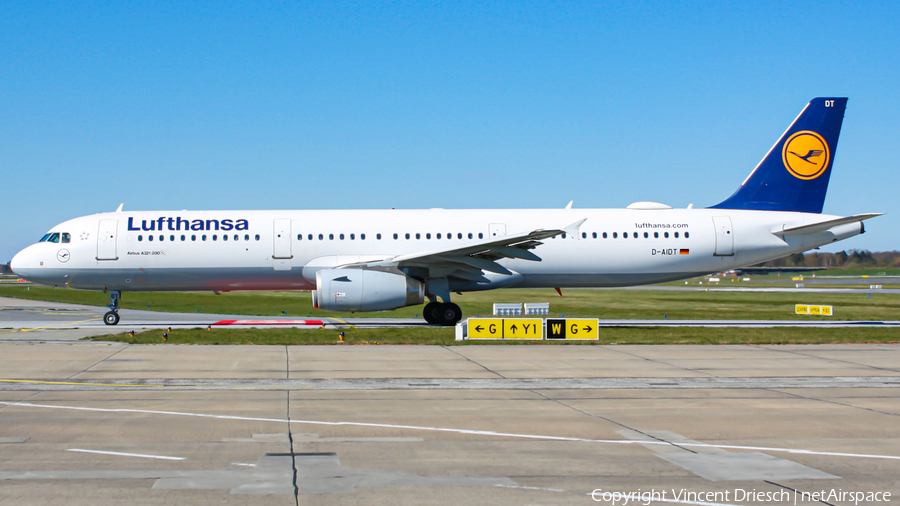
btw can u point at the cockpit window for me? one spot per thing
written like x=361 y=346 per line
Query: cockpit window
x=44 y=239
x=54 y=237
x=66 y=237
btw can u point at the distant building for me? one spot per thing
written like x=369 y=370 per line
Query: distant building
x=4 y=269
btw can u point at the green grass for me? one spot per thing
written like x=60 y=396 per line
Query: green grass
x=445 y=336
x=604 y=304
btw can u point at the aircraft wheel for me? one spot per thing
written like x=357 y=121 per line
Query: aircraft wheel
x=430 y=312
x=111 y=318
x=448 y=314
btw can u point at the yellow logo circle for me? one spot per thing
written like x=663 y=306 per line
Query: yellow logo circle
x=805 y=154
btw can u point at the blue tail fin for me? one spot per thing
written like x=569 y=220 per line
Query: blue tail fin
x=793 y=176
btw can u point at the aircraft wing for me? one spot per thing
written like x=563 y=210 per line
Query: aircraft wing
x=468 y=261
x=824 y=225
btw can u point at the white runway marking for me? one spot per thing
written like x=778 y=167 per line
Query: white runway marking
x=451 y=430
x=531 y=488
x=141 y=455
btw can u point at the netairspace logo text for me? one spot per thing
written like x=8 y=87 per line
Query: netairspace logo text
x=683 y=496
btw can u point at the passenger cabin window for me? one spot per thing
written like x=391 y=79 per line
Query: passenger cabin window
x=604 y=235
x=342 y=237
x=666 y=235
x=310 y=237
x=615 y=235
x=595 y=235
x=321 y=237
x=224 y=237
x=687 y=235
x=140 y=238
x=257 y=237
x=193 y=237
x=676 y=235
x=646 y=235
x=362 y=237
x=203 y=237
x=150 y=238
x=656 y=235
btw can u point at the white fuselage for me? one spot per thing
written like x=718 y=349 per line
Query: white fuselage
x=282 y=250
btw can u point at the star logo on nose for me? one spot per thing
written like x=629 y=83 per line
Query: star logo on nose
x=84 y=236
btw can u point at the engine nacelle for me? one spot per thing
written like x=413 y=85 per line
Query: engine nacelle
x=365 y=290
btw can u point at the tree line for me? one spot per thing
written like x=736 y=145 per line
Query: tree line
x=853 y=258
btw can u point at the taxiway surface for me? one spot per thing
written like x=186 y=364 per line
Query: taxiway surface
x=110 y=424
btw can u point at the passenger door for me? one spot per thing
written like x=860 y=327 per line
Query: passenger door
x=106 y=240
x=724 y=236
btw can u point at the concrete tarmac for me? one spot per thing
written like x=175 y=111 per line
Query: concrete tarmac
x=98 y=424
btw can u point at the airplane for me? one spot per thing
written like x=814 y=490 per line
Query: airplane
x=377 y=260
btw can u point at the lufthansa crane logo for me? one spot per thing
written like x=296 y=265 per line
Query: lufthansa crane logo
x=805 y=154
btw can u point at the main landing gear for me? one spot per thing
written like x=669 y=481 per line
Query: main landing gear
x=445 y=314
x=112 y=316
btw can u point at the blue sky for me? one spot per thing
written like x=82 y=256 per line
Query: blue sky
x=189 y=105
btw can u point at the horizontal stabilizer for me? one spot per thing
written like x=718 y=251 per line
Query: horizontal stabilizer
x=825 y=225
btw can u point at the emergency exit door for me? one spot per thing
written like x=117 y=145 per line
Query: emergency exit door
x=282 y=238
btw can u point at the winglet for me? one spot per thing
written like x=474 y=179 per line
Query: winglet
x=573 y=229
x=119 y=209
x=569 y=205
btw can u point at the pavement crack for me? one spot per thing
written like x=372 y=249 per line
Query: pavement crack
x=610 y=420
x=829 y=401
x=100 y=361
x=474 y=362
x=619 y=350
x=293 y=452
x=807 y=355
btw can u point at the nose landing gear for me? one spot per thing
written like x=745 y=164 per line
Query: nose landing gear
x=112 y=316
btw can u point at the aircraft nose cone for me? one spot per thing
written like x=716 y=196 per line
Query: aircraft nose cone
x=19 y=264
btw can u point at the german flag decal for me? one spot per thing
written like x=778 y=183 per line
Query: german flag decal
x=684 y=252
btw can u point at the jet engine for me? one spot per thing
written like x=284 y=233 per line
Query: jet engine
x=365 y=290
